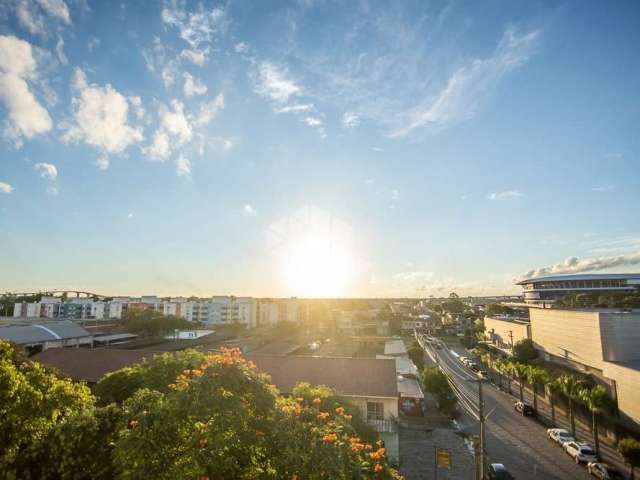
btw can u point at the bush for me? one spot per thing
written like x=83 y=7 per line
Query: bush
x=436 y=383
x=416 y=354
x=524 y=351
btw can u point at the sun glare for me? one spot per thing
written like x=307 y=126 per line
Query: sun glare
x=314 y=253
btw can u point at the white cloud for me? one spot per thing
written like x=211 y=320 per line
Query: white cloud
x=130 y=215
x=313 y=121
x=102 y=162
x=604 y=188
x=241 y=47
x=37 y=15
x=26 y=117
x=193 y=85
x=60 y=51
x=575 y=265
x=5 y=187
x=183 y=166
x=160 y=147
x=505 y=195
x=196 y=26
x=100 y=117
x=168 y=74
x=248 y=210
x=208 y=111
x=195 y=56
x=376 y=149
x=46 y=170
x=175 y=130
x=395 y=195
x=469 y=85
x=295 y=108
x=137 y=107
x=272 y=83
x=350 y=120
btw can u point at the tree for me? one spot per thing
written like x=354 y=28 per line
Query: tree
x=436 y=383
x=629 y=448
x=524 y=351
x=152 y=323
x=570 y=386
x=416 y=354
x=536 y=376
x=551 y=387
x=497 y=309
x=520 y=371
x=595 y=399
x=155 y=374
x=33 y=401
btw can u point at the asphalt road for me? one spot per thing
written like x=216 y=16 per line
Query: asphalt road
x=520 y=443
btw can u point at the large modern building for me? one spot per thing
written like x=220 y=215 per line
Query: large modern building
x=544 y=291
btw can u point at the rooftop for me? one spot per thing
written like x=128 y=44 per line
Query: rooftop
x=395 y=347
x=357 y=377
x=42 y=332
x=586 y=276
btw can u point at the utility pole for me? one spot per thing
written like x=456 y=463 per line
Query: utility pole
x=511 y=338
x=481 y=418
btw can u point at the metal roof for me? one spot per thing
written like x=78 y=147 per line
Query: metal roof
x=587 y=276
x=395 y=347
x=42 y=332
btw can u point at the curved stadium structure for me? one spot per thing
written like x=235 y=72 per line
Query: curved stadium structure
x=546 y=290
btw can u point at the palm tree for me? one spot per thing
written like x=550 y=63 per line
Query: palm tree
x=595 y=399
x=570 y=386
x=536 y=376
x=503 y=368
x=550 y=389
x=520 y=372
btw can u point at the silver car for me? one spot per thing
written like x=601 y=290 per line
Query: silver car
x=581 y=452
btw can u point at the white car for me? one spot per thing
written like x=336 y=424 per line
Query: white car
x=464 y=360
x=581 y=452
x=560 y=436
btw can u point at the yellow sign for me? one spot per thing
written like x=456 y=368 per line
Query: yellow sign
x=443 y=458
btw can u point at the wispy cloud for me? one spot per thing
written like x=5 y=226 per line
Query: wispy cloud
x=576 y=265
x=195 y=26
x=6 y=187
x=604 y=188
x=183 y=166
x=46 y=170
x=505 y=195
x=248 y=210
x=273 y=83
x=350 y=120
x=469 y=86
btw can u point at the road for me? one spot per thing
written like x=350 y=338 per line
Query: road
x=518 y=442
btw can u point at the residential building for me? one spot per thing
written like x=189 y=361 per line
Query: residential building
x=544 y=291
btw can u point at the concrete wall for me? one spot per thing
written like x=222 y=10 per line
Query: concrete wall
x=570 y=335
x=498 y=331
x=627 y=385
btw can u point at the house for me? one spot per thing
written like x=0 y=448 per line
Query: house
x=39 y=336
x=368 y=383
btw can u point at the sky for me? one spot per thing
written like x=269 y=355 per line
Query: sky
x=316 y=148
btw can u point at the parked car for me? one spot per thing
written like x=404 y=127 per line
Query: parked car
x=473 y=366
x=524 y=408
x=560 y=436
x=497 y=471
x=604 y=471
x=581 y=452
x=464 y=360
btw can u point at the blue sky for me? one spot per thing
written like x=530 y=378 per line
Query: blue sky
x=316 y=147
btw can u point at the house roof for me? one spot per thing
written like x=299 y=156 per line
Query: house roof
x=358 y=377
x=89 y=364
x=395 y=347
x=409 y=387
x=42 y=332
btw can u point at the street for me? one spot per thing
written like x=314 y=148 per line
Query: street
x=518 y=442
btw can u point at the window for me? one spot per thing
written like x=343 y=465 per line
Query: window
x=375 y=411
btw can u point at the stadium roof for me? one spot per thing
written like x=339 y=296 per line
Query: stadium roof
x=586 y=276
x=42 y=332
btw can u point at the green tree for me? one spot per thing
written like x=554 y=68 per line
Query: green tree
x=497 y=309
x=416 y=354
x=33 y=401
x=536 y=377
x=570 y=386
x=551 y=388
x=155 y=374
x=629 y=448
x=436 y=383
x=595 y=399
x=524 y=351
x=520 y=371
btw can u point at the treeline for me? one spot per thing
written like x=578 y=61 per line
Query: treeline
x=185 y=415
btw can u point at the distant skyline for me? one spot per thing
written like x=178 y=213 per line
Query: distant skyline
x=316 y=148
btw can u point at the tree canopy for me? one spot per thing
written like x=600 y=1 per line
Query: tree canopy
x=152 y=323
x=524 y=351
x=185 y=415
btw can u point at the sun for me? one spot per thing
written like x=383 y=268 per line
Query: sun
x=314 y=253
x=318 y=267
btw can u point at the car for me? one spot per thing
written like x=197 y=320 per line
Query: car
x=483 y=373
x=524 y=408
x=560 y=436
x=497 y=471
x=604 y=471
x=581 y=452
x=473 y=366
x=464 y=360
